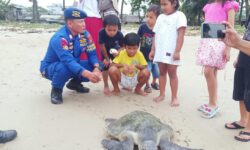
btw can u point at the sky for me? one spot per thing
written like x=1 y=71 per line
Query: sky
x=45 y=3
x=42 y=3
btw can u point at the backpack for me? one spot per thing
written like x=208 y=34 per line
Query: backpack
x=106 y=7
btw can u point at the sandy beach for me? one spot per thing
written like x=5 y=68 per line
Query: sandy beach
x=78 y=124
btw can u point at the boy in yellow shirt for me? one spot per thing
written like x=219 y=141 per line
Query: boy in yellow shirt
x=129 y=68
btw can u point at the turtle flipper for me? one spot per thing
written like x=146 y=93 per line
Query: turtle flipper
x=167 y=145
x=111 y=144
x=117 y=145
x=128 y=144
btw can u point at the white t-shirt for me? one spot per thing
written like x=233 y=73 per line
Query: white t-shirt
x=166 y=35
x=90 y=7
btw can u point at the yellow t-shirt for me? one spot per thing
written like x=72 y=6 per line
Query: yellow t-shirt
x=137 y=59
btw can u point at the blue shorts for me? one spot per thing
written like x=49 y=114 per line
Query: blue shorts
x=153 y=68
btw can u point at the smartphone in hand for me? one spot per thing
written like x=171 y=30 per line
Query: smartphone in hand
x=212 y=30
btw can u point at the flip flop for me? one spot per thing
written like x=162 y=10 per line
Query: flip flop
x=241 y=139
x=210 y=112
x=155 y=86
x=235 y=126
x=203 y=107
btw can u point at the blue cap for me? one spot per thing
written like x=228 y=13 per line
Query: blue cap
x=74 y=13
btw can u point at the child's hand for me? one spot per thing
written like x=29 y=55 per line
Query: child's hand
x=106 y=62
x=125 y=69
x=98 y=73
x=151 y=55
x=132 y=69
x=176 y=56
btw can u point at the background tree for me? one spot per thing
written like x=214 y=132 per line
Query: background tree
x=138 y=7
x=193 y=11
x=4 y=5
x=247 y=7
x=35 y=13
x=121 y=15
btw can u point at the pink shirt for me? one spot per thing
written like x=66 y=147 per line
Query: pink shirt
x=215 y=13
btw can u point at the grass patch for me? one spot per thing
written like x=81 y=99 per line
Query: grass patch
x=240 y=29
x=28 y=25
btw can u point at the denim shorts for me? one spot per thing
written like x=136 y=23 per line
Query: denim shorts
x=153 y=68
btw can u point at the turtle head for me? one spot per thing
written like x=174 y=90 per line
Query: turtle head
x=147 y=138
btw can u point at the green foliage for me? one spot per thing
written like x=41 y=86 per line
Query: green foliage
x=4 y=4
x=28 y=25
x=139 y=7
x=193 y=10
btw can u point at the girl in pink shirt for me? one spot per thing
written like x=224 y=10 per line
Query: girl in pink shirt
x=213 y=54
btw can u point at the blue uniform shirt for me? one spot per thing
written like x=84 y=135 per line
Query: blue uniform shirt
x=65 y=48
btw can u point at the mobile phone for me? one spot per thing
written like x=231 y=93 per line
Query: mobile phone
x=212 y=30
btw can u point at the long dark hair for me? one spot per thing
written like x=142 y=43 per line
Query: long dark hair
x=222 y=3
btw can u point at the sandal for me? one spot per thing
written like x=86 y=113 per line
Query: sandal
x=235 y=126
x=210 y=112
x=155 y=86
x=242 y=139
x=147 y=89
x=203 y=107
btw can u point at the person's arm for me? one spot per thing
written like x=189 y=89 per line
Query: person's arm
x=243 y=46
x=60 y=46
x=231 y=20
x=142 y=62
x=102 y=44
x=179 y=43
x=232 y=39
x=141 y=67
x=152 y=51
x=118 y=65
x=104 y=51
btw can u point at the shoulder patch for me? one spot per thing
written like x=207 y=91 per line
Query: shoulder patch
x=64 y=44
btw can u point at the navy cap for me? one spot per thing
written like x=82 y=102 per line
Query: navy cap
x=74 y=13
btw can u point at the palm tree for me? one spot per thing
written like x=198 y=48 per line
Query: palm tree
x=247 y=8
x=35 y=17
x=4 y=4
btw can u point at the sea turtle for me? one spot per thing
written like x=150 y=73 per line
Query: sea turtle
x=142 y=129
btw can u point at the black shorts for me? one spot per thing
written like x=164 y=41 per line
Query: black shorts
x=241 y=89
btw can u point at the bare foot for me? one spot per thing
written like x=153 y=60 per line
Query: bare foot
x=140 y=92
x=106 y=91
x=175 y=102
x=158 y=99
x=127 y=89
x=116 y=92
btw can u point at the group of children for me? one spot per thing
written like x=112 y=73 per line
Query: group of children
x=156 y=49
x=160 y=40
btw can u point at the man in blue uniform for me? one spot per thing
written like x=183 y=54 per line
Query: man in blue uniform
x=62 y=60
